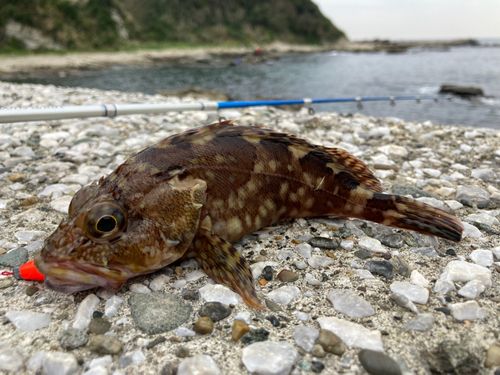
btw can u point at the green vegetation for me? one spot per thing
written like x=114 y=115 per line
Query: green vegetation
x=95 y=24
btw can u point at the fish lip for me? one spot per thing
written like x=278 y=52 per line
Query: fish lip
x=67 y=276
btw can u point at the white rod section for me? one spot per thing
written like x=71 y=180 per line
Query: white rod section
x=8 y=115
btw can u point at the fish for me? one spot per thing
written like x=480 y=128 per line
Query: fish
x=194 y=194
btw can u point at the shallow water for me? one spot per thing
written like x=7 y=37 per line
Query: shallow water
x=332 y=74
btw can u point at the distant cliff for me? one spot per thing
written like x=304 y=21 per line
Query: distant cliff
x=108 y=24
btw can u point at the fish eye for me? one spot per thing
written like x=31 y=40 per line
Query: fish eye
x=106 y=224
x=105 y=221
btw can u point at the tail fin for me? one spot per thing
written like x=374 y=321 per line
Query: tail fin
x=407 y=213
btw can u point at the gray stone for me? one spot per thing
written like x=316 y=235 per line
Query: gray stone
x=395 y=241
x=410 y=190
x=158 y=312
x=215 y=311
x=73 y=338
x=14 y=258
x=323 y=243
x=380 y=267
x=423 y=322
x=377 y=363
x=401 y=266
x=427 y=251
x=472 y=194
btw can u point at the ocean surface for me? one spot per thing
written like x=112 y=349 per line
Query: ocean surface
x=332 y=74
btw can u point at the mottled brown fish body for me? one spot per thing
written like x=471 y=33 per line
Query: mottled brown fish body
x=195 y=193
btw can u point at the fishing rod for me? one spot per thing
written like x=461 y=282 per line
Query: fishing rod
x=25 y=114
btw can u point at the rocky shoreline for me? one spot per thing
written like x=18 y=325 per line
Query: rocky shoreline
x=73 y=62
x=339 y=292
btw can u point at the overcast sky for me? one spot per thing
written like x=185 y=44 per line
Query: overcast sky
x=414 y=19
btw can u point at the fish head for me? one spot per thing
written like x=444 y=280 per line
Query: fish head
x=109 y=238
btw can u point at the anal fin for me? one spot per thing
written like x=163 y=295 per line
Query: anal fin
x=225 y=265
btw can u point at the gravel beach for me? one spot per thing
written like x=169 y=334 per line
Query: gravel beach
x=343 y=296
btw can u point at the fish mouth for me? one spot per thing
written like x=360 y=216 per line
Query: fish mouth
x=69 y=277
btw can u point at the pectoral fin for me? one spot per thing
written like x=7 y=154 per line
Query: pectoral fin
x=225 y=265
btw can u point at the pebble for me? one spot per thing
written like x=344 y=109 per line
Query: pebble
x=200 y=364
x=469 y=194
x=377 y=363
x=483 y=219
x=112 y=305
x=11 y=360
x=255 y=335
x=158 y=312
x=284 y=295
x=403 y=301
x=158 y=282
x=102 y=344
x=59 y=363
x=380 y=267
x=426 y=251
x=139 y=288
x=287 y=276
x=155 y=342
x=31 y=290
x=318 y=351
x=99 y=326
x=215 y=311
x=458 y=271
x=410 y=190
x=352 y=334
x=414 y=293
x=300 y=264
x=417 y=278
x=363 y=254
x=349 y=303
x=220 y=293
x=184 y=332
x=204 y=325
x=73 y=338
x=347 y=245
x=319 y=261
x=492 y=356
x=182 y=352
x=84 y=311
x=29 y=235
x=257 y=360
x=239 y=329
x=330 y=342
x=195 y=275
x=28 y=321
x=323 y=243
x=305 y=337
x=482 y=257
x=14 y=258
x=454 y=205
x=267 y=273
x=317 y=366
x=371 y=244
x=472 y=289
x=395 y=241
x=401 y=266
x=444 y=286
x=422 y=322
x=469 y=310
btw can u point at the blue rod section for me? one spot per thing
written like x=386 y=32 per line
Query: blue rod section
x=240 y=104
